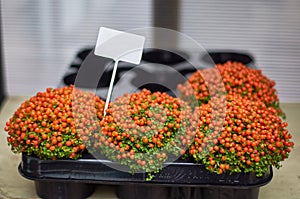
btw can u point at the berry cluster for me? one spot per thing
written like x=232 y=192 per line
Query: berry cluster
x=44 y=125
x=141 y=130
x=239 y=124
x=250 y=138
x=233 y=78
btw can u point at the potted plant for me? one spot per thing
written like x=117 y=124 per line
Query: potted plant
x=228 y=125
x=143 y=130
x=246 y=133
x=44 y=125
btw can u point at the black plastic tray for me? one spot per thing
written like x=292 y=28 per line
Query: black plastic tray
x=175 y=179
x=164 y=82
x=178 y=180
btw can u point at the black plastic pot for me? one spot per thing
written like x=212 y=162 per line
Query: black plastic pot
x=85 y=83
x=222 y=56
x=177 y=192
x=63 y=189
x=164 y=57
x=83 y=53
x=77 y=178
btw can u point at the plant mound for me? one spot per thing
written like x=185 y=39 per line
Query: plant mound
x=232 y=78
x=250 y=138
x=142 y=130
x=45 y=125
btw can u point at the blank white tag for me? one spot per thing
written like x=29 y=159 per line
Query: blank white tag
x=119 y=46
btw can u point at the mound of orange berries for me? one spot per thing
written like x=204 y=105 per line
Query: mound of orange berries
x=250 y=138
x=144 y=129
x=44 y=125
x=231 y=78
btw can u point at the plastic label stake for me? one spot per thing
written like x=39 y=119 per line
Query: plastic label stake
x=119 y=46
